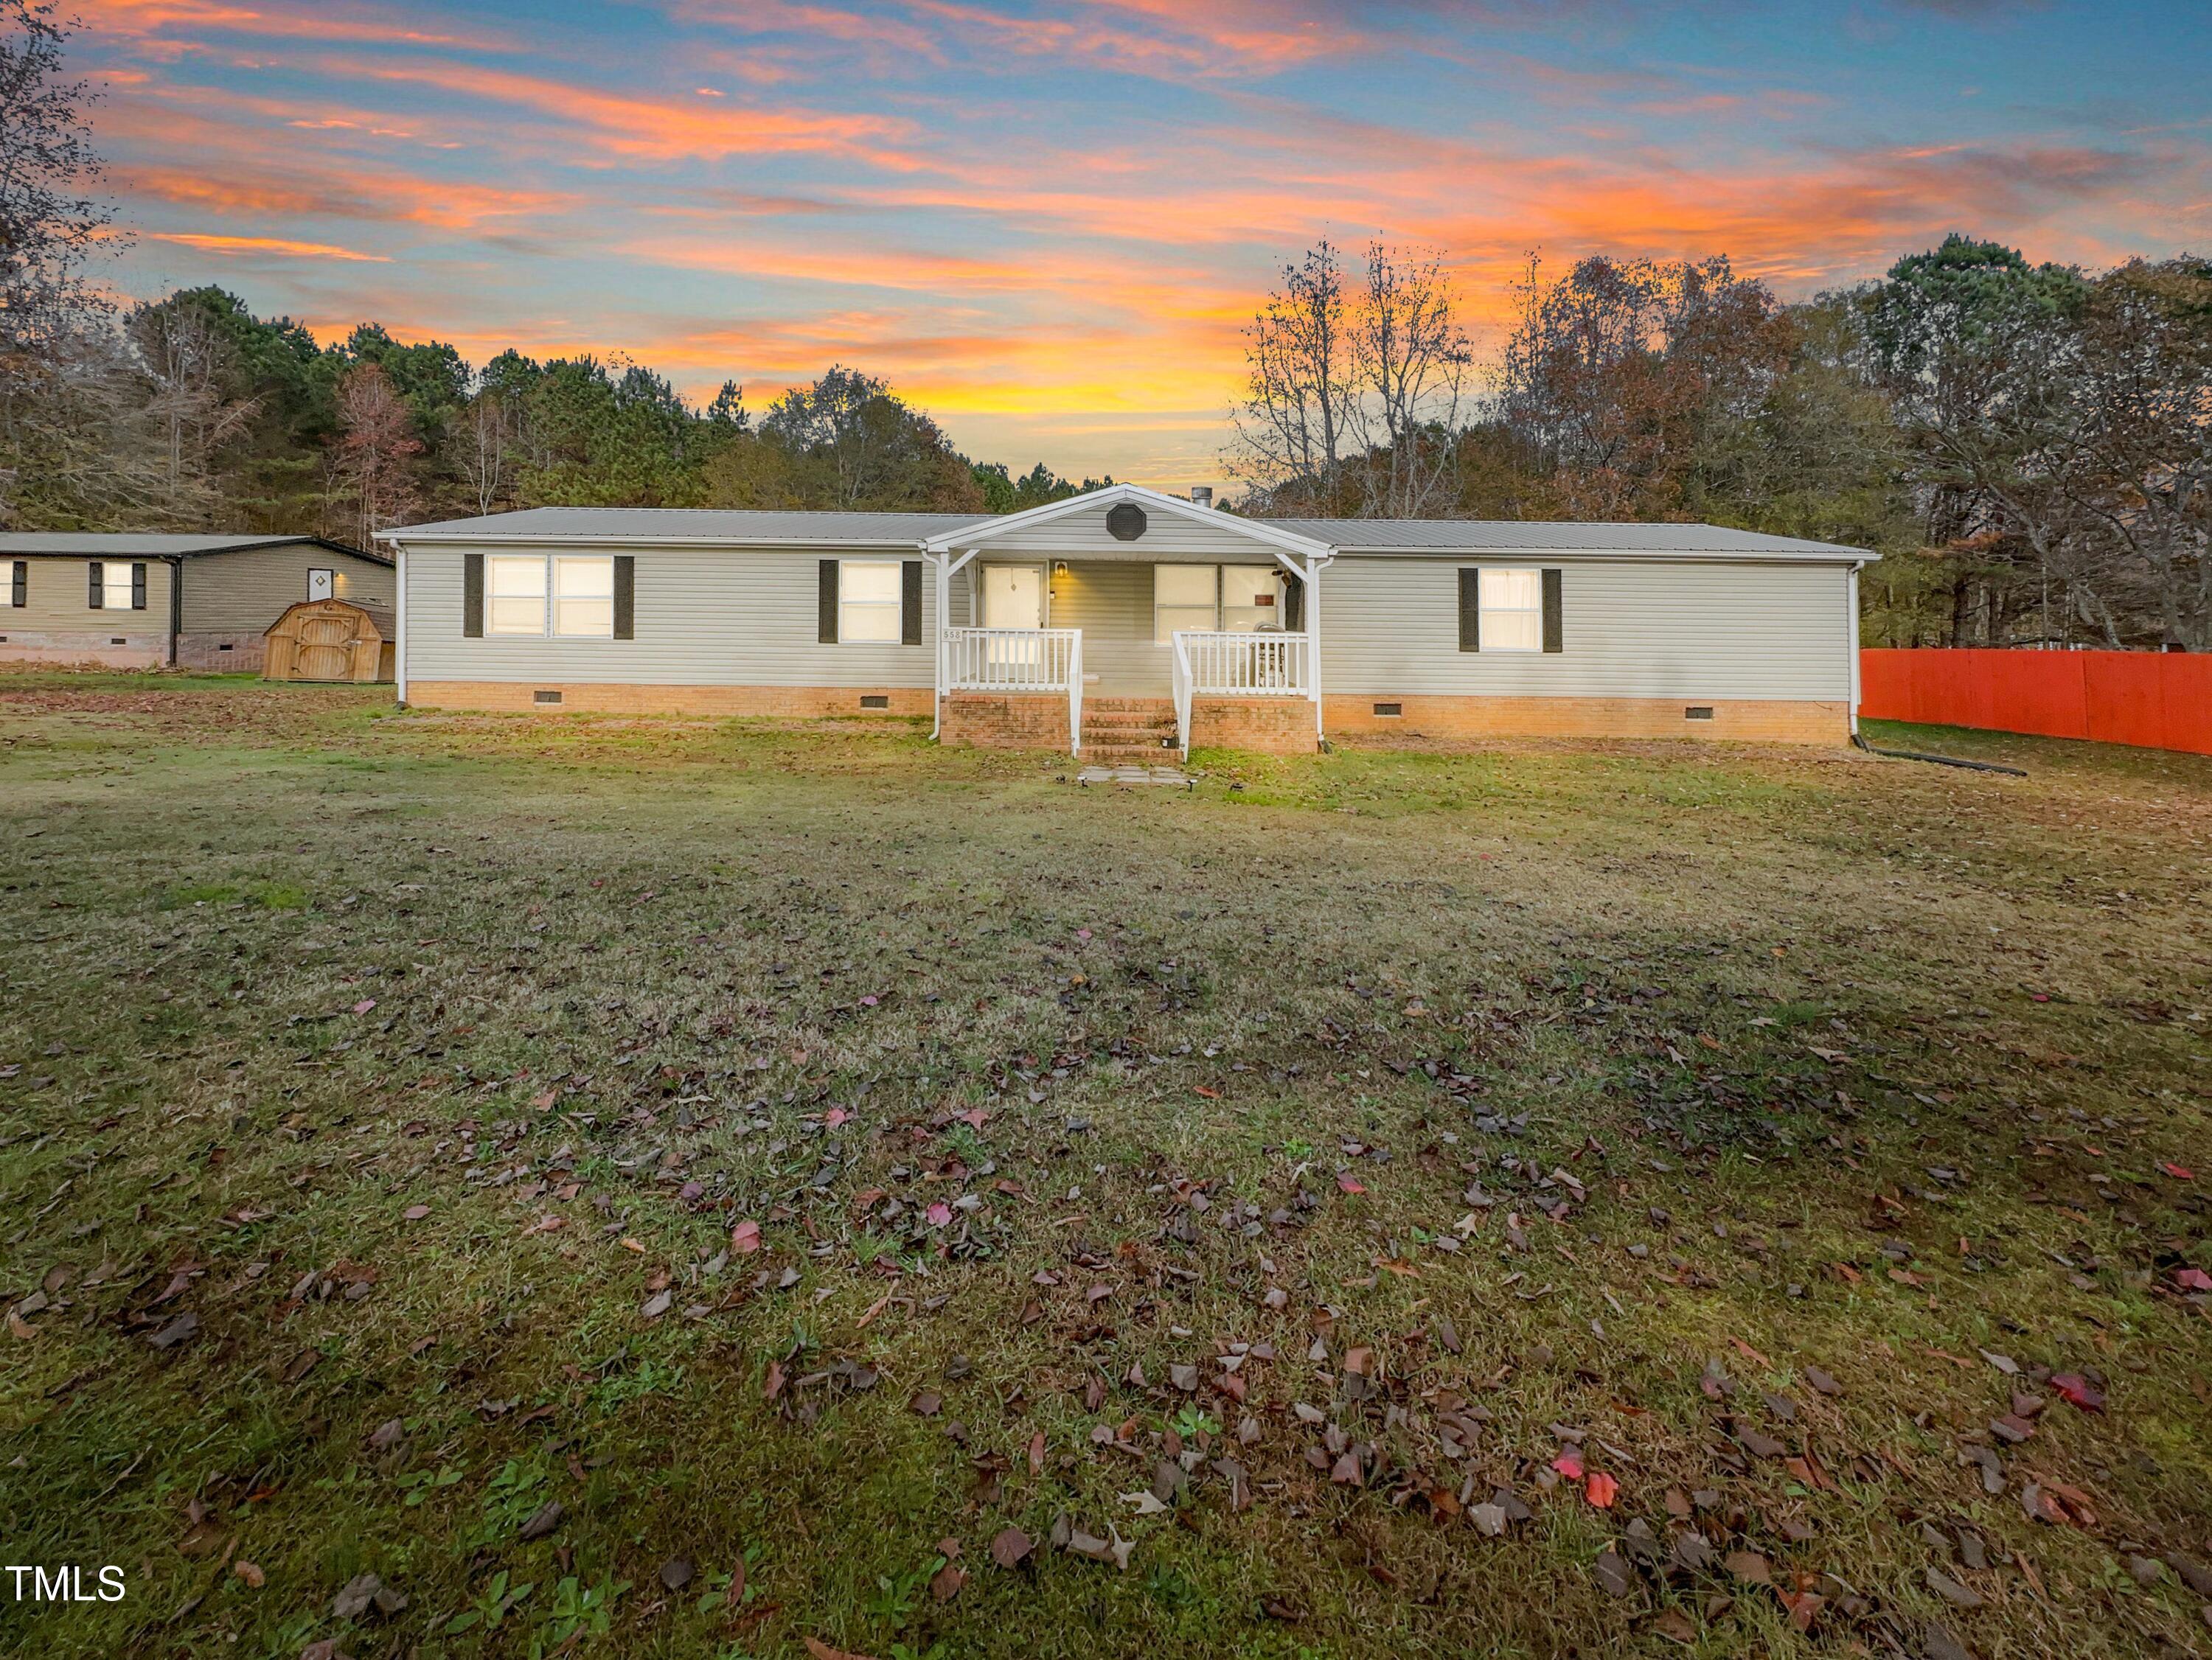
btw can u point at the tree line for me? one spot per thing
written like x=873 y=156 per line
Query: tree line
x=2028 y=445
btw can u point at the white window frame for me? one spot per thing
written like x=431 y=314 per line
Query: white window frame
x=1489 y=610
x=110 y=585
x=494 y=564
x=554 y=596
x=874 y=610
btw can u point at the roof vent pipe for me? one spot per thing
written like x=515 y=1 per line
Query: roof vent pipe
x=1202 y=495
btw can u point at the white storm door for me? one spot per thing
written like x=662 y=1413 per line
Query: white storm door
x=1013 y=597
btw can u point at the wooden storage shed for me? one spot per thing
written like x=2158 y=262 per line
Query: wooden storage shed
x=326 y=639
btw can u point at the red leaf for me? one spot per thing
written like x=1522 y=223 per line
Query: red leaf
x=364 y=1005
x=2178 y=1173
x=939 y=1214
x=2192 y=1279
x=1349 y=1184
x=1601 y=1490
x=745 y=1238
x=1569 y=1464
x=2079 y=1391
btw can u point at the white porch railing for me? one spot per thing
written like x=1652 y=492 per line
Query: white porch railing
x=1260 y=665
x=1217 y=664
x=1018 y=660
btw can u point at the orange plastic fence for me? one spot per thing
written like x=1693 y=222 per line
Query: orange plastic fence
x=2154 y=699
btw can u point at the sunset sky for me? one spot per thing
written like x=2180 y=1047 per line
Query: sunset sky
x=1048 y=222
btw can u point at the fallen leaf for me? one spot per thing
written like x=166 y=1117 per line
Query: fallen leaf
x=1010 y=1548
x=745 y=1238
x=1601 y=1490
x=2078 y=1390
x=250 y=1572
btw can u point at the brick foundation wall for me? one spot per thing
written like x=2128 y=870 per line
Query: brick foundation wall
x=1449 y=719
x=140 y=649
x=1273 y=726
x=802 y=702
x=248 y=653
x=1027 y=721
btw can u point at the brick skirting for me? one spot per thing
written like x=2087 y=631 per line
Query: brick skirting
x=1466 y=719
x=140 y=650
x=248 y=653
x=803 y=702
x=1272 y=725
x=1029 y=720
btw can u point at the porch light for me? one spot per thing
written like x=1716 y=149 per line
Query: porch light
x=1059 y=567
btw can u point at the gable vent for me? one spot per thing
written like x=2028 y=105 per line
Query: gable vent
x=1125 y=522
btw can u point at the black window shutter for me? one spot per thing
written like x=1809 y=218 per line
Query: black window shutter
x=825 y=585
x=99 y=584
x=910 y=602
x=1294 y=605
x=1553 y=630
x=138 y=585
x=472 y=595
x=1470 y=611
x=625 y=596
x=21 y=595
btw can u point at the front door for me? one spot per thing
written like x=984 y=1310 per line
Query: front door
x=1013 y=595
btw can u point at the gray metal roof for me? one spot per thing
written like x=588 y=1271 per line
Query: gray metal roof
x=1477 y=535
x=768 y=528
x=157 y=544
x=798 y=529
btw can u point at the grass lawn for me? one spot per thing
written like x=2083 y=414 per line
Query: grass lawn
x=715 y=1189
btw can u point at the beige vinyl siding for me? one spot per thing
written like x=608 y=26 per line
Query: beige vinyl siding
x=1169 y=537
x=705 y=616
x=248 y=590
x=1111 y=601
x=1657 y=628
x=60 y=592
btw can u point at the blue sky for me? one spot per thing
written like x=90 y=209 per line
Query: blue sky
x=1047 y=223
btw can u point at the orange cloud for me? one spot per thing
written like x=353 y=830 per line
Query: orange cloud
x=659 y=129
x=273 y=246
x=142 y=18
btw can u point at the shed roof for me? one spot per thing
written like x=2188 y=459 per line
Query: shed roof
x=150 y=544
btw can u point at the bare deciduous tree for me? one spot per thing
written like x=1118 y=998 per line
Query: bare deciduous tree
x=1356 y=390
x=51 y=223
x=376 y=442
x=189 y=411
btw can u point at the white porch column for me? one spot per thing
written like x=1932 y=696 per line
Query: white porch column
x=1314 y=565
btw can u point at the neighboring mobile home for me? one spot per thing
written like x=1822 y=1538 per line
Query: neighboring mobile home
x=156 y=601
x=1123 y=618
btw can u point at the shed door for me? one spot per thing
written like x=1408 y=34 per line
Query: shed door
x=326 y=647
x=321 y=585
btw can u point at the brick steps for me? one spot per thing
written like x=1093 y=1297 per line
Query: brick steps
x=1128 y=731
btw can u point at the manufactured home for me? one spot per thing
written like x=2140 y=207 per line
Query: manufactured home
x=162 y=600
x=1125 y=621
